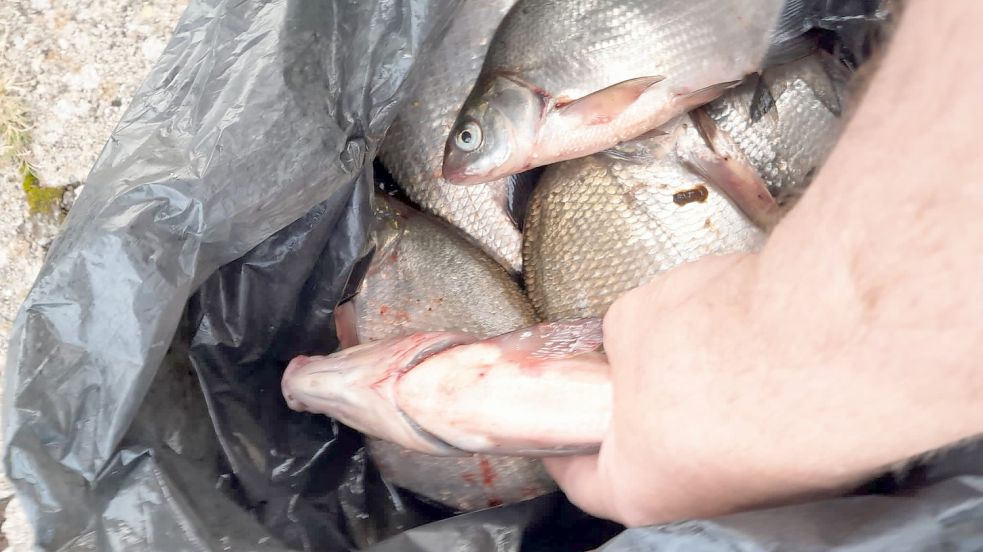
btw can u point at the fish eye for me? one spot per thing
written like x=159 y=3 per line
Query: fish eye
x=469 y=137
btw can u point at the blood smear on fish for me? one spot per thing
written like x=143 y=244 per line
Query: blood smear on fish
x=487 y=473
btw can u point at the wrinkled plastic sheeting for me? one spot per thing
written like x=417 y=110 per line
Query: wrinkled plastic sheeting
x=934 y=504
x=256 y=114
x=222 y=223
x=946 y=515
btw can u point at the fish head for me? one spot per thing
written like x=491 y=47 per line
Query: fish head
x=355 y=386
x=343 y=384
x=494 y=134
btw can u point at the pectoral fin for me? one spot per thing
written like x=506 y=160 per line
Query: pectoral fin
x=730 y=172
x=346 y=327
x=691 y=100
x=604 y=105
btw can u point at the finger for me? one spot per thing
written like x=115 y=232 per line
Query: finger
x=582 y=481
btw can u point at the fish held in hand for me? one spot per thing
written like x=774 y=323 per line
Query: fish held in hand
x=425 y=276
x=538 y=391
x=355 y=386
x=568 y=79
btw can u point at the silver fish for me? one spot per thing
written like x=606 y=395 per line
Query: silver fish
x=414 y=145
x=597 y=226
x=770 y=136
x=424 y=276
x=601 y=225
x=568 y=79
x=544 y=390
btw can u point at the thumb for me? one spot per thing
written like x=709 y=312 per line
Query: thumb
x=583 y=482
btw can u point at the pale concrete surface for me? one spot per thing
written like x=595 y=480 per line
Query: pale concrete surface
x=74 y=65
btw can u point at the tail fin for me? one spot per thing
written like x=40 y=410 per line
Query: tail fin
x=849 y=27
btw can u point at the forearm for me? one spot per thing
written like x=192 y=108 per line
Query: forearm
x=853 y=340
x=880 y=265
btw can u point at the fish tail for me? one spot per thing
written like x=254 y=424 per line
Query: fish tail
x=803 y=26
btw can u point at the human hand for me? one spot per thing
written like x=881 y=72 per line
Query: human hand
x=711 y=415
x=851 y=342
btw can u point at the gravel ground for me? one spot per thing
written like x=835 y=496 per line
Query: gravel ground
x=73 y=66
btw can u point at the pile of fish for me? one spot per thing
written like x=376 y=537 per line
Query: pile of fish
x=556 y=155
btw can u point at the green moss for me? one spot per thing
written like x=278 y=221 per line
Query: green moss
x=15 y=138
x=40 y=199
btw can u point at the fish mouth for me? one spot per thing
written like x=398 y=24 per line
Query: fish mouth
x=298 y=397
x=464 y=177
x=460 y=175
x=456 y=172
x=291 y=396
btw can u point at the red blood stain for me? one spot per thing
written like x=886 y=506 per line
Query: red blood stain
x=487 y=472
x=397 y=316
x=394 y=256
x=492 y=502
x=469 y=478
x=385 y=376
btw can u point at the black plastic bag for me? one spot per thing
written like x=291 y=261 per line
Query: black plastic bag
x=220 y=226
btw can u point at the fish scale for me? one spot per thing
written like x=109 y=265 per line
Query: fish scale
x=788 y=145
x=626 y=39
x=413 y=148
x=425 y=276
x=609 y=70
x=599 y=226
